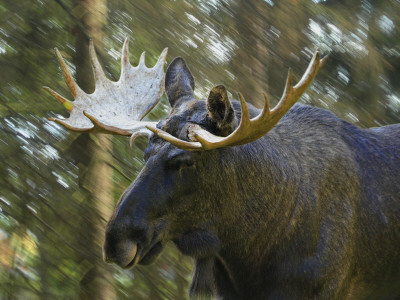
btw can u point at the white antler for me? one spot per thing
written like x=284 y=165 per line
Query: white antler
x=114 y=107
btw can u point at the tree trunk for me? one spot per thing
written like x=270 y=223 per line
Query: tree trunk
x=93 y=156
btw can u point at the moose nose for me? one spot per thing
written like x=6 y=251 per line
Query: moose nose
x=122 y=254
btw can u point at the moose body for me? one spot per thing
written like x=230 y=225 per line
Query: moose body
x=309 y=211
x=288 y=203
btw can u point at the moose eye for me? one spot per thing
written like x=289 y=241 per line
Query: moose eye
x=179 y=160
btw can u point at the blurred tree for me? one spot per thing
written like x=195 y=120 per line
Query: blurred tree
x=252 y=55
x=93 y=157
x=363 y=42
x=269 y=39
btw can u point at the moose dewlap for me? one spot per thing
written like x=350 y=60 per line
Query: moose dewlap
x=282 y=203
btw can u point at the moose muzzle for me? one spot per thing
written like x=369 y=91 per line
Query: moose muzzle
x=123 y=254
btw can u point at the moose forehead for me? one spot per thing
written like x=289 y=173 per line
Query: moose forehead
x=188 y=112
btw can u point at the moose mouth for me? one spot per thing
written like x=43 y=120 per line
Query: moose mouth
x=127 y=252
x=146 y=255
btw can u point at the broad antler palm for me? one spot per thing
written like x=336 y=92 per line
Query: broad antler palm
x=114 y=107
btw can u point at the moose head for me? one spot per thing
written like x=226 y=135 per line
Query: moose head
x=207 y=182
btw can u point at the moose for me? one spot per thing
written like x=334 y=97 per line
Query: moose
x=283 y=203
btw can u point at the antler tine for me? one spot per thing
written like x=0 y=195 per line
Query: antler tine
x=292 y=93
x=245 y=116
x=125 y=57
x=161 y=60
x=323 y=61
x=142 y=62
x=266 y=111
x=287 y=100
x=70 y=127
x=67 y=104
x=101 y=127
x=309 y=74
x=135 y=135
x=97 y=69
x=73 y=87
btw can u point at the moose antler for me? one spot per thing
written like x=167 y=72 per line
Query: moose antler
x=248 y=130
x=114 y=107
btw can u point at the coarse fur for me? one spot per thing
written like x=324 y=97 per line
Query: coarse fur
x=309 y=211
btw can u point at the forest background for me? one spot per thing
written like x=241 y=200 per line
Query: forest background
x=58 y=188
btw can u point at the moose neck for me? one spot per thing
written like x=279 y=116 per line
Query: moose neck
x=260 y=211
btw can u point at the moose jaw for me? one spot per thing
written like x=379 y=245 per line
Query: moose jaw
x=308 y=211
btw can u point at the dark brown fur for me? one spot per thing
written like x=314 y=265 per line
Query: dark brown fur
x=309 y=211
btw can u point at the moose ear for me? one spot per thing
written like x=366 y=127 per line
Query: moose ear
x=220 y=110
x=179 y=82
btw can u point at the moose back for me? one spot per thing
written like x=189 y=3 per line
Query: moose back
x=283 y=203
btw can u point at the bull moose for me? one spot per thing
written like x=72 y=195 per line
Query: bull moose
x=283 y=203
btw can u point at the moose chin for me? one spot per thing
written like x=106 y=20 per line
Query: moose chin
x=283 y=203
